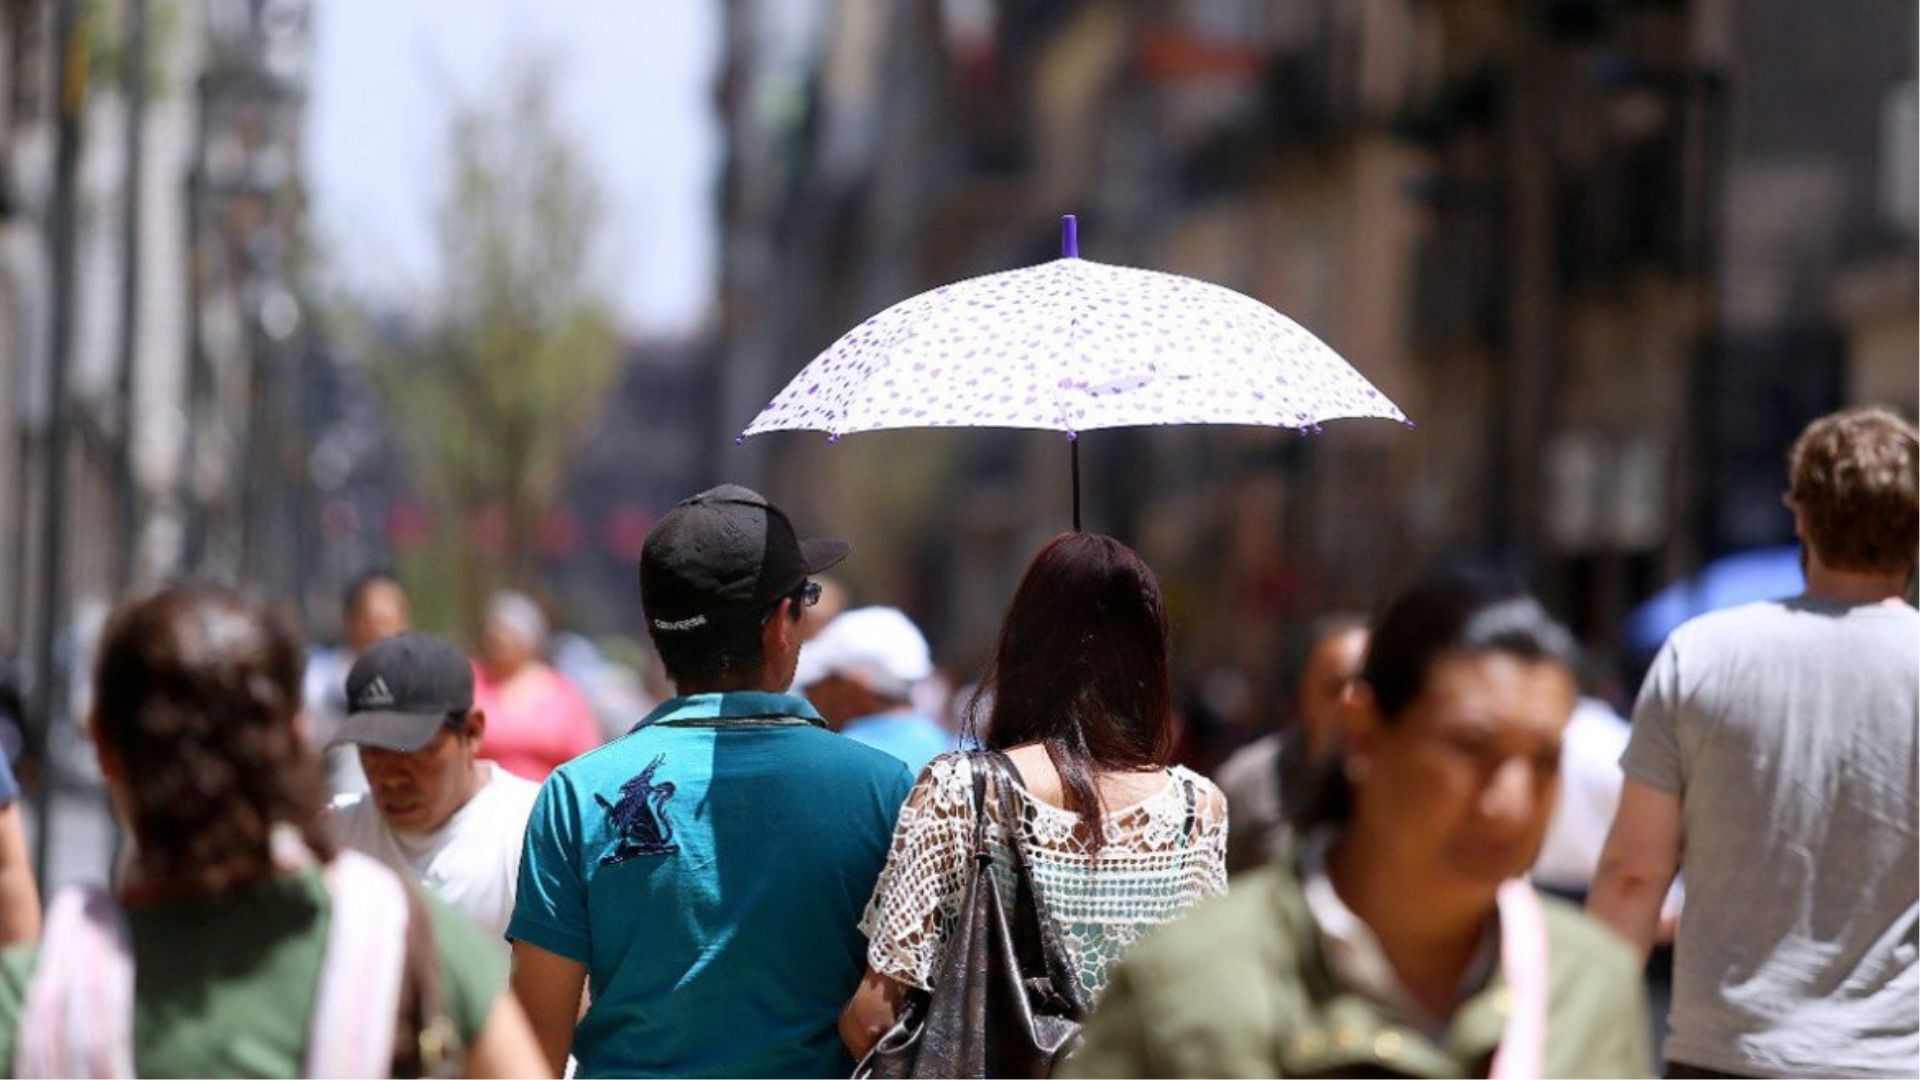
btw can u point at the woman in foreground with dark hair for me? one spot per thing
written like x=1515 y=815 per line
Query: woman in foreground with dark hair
x=1078 y=697
x=240 y=943
x=1396 y=937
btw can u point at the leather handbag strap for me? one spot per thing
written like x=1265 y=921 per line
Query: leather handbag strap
x=1186 y=829
x=980 y=850
x=1006 y=775
x=1059 y=966
x=426 y=1042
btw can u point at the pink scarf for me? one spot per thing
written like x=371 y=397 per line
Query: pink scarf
x=1523 y=960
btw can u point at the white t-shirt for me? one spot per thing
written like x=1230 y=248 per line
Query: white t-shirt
x=1590 y=781
x=1789 y=731
x=472 y=862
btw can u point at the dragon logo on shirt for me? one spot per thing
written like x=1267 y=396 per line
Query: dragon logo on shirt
x=640 y=817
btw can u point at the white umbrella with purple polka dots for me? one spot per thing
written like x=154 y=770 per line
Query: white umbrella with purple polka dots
x=1073 y=345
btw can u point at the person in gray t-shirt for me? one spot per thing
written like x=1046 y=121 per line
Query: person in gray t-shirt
x=1773 y=761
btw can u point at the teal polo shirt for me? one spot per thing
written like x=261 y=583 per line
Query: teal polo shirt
x=709 y=869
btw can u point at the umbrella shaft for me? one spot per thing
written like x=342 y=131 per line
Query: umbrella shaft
x=1075 y=444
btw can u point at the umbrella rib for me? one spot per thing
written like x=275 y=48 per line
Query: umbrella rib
x=1071 y=294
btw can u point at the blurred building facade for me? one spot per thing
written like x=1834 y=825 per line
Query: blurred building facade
x=653 y=444
x=1609 y=254
x=151 y=257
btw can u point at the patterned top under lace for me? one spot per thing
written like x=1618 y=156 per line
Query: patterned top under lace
x=1162 y=855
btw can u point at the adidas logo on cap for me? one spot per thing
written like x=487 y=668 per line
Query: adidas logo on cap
x=376 y=695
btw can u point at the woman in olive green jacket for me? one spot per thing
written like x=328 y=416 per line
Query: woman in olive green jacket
x=1396 y=937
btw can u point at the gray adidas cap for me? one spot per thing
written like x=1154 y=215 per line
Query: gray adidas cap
x=402 y=690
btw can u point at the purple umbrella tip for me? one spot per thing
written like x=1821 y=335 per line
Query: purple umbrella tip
x=1069 y=236
x=739 y=440
x=833 y=437
x=1409 y=424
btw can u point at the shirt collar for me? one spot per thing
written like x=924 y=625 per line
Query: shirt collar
x=741 y=705
x=414 y=843
x=1354 y=954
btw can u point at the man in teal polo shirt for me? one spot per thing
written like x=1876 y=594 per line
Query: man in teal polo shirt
x=703 y=876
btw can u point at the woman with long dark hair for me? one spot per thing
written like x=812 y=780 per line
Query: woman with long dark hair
x=1077 y=696
x=1397 y=936
x=239 y=942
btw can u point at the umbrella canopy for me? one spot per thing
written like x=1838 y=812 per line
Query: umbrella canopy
x=1771 y=573
x=1073 y=345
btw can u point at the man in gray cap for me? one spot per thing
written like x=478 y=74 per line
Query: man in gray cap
x=433 y=811
x=707 y=872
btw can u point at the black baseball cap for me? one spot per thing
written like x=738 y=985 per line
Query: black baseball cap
x=725 y=554
x=402 y=689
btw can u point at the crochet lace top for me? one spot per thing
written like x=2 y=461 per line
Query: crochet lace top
x=1162 y=855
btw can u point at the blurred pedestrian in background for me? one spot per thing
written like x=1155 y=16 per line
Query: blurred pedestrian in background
x=536 y=717
x=13 y=708
x=833 y=601
x=239 y=943
x=704 y=875
x=19 y=896
x=1773 y=761
x=1261 y=776
x=861 y=673
x=1114 y=840
x=1395 y=937
x=609 y=673
x=933 y=697
x=1590 y=780
x=373 y=606
x=434 y=812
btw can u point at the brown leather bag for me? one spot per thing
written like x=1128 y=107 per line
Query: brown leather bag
x=425 y=1042
x=1005 y=1001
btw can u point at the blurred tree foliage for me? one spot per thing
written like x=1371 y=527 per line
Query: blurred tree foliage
x=494 y=387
